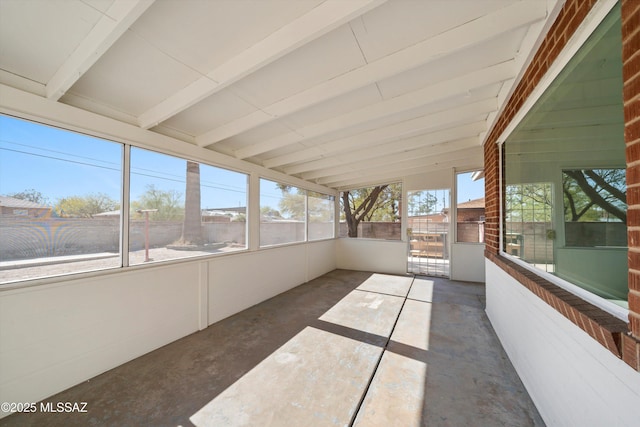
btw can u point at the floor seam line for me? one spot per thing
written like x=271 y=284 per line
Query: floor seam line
x=384 y=349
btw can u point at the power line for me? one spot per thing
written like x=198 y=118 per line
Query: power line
x=208 y=184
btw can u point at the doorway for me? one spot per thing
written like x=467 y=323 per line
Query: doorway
x=428 y=232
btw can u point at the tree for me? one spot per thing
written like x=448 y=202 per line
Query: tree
x=589 y=193
x=31 y=195
x=317 y=206
x=167 y=202
x=85 y=206
x=269 y=212
x=421 y=203
x=529 y=202
x=292 y=204
x=381 y=203
x=320 y=207
x=192 y=225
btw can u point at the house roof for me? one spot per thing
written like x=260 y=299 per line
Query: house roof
x=472 y=204
x=339 y=93
x=11 y=202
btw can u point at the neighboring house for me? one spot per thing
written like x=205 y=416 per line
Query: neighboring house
x=473 y=210
x=19 y=207
x=222 y=214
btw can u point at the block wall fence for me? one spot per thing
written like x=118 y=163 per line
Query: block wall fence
x=620 y=338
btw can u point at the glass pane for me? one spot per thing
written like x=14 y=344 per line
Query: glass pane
x=60 y=201
x=470 y=207
x=372 y=212
x=428 y=231
x=528 y=231
x=182 y=209
x=321 y=211
x=282 y=213
x=595 y=208
x=564 y=170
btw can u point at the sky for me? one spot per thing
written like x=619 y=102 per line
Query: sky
x=59 y=163
x=469 y=189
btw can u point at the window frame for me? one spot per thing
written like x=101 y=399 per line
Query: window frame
x=455 y=209
x=569 y=52
x=126 y=143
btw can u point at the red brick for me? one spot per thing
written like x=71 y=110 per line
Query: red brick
x=634 y=301
x=633 y=176
x=631 y=86
x=631 y=66
x=630 y=46
x=634 y=260
x=633 y=196
x=634 y=280
x=631 y=352
x=632 y=109
x=631 y=20
x=632 y=132
x=634 y=323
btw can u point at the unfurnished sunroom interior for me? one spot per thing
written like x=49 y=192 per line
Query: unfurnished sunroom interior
x=166 y=166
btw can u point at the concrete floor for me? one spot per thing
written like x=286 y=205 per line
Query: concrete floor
x=348 y=348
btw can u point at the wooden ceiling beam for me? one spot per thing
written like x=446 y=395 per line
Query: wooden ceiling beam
x=111 y=25
x=472 y=33
x=319 y=21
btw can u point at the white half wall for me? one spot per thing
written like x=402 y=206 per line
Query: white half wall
x=56 y=335
x=239 y=282
x=381 y=256
x=467 y=262
x=572 y=379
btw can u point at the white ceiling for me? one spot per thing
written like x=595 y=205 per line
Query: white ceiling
x=344 y=93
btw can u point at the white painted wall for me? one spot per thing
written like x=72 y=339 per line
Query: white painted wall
x=467 y=262
x=57 y=335
x=572 y=379
x=381 y=256
x=241 y=281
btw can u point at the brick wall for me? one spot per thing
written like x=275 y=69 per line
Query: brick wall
x=631 y=96
x=609 y=331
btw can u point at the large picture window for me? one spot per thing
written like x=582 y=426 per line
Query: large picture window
x=282 y=213
x=60 y=201
x=470 y=214
x=371 y=212
x=564 y=197
x=321 y=215
x=181 y=208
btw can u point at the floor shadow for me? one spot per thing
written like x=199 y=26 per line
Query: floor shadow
x=167 y=386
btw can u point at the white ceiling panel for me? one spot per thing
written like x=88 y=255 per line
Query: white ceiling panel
x=494 y=51
x=205 y=34
x=334 y=107
x=101 y=5
x=212 y=111
x=133 y=76
x=396 y=24
x=36 y=37
x=319 y=61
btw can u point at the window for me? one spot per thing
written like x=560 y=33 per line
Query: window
x=321 y=215
x=470 y=207
x=565 y=204
x=282 y=213
x=595 y=209
x=528 y=230
x=60 y=201
x=371 y=212
x=181 y=208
